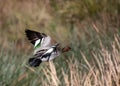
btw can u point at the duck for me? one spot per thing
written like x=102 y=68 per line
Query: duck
x=44 y=50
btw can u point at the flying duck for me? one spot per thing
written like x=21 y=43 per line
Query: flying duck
x=44 y=50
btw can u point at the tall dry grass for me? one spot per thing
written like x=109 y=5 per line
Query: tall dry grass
x=103 y=71
x=99 y=67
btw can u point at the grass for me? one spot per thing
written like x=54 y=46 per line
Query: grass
x=91 y=28
x=103 y=70
x=93 y=61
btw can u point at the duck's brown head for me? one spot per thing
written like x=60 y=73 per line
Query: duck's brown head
x=66 y=48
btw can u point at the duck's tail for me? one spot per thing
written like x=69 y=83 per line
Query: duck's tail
x=34 y=62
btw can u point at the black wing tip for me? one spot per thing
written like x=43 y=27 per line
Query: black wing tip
x=28 y=31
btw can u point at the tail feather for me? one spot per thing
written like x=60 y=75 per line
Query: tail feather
x=34 y=62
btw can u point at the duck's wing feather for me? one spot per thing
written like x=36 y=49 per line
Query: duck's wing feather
x=34 y=36
x=40 y=53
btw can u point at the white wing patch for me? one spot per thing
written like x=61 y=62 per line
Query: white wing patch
x=49 y=51
x=37 y=42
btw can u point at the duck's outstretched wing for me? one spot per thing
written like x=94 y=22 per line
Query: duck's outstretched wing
x=38 y=38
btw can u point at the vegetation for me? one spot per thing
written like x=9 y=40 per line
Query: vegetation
x=91 y=28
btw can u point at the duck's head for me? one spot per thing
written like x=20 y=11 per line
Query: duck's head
x=66 y=48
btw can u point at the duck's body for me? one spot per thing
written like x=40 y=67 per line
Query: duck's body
x=44 y=51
